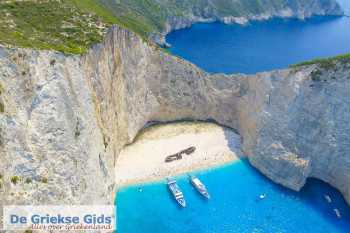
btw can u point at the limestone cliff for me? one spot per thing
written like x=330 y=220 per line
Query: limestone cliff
x=64 y=119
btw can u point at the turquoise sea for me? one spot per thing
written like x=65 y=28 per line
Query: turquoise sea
x=234 y=206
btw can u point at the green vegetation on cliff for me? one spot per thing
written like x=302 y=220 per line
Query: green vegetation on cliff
x=325 y=63
x=69 y=26
x=65 y=26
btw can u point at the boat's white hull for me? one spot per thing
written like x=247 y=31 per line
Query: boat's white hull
x=199 y=186
x=176 y=192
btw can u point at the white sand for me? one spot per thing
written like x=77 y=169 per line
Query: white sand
x=143 y=161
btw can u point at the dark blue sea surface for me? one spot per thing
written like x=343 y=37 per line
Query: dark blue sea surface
x=261 y=46
x=234 y=206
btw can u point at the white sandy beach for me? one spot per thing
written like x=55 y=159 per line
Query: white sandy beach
x=143 y=161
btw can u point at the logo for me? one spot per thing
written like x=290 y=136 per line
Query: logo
x=100 y=218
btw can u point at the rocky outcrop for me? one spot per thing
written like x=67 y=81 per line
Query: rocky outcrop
x=302 y=128
x=65 y=118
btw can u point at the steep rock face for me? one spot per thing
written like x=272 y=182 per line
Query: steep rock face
x=51 y=146
x=136 y=83
x=302 y=129
x=66 y=118
x=244 y=11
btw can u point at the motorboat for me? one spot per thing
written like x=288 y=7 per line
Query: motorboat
x=199 y=186
x=175 y=190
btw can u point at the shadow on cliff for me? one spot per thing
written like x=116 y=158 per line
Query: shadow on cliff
x=231 y=134
x=234 y=141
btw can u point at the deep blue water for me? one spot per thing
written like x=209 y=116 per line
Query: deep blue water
x=261 y=46
x=233 y=208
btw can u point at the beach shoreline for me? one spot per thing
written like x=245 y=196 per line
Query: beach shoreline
x=144 y=160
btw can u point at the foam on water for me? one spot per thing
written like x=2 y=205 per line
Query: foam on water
x=234 y=207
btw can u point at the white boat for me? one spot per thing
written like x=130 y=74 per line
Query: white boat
x=199 y=186
x=328 y=198
x=337 y=213
x=175 y=190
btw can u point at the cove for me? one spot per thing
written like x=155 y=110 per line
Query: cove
x=234 y=207
x=261 y=46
